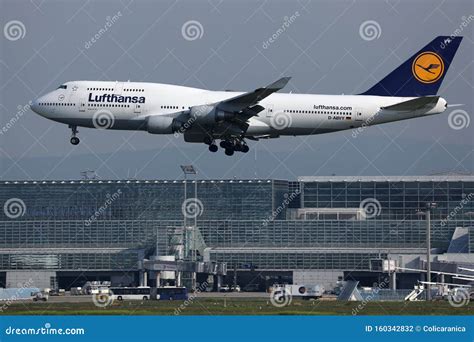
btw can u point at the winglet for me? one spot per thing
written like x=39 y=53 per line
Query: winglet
x=279 y=84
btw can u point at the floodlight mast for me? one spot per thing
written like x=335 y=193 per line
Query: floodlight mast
x=429 y=206
x=190 y=170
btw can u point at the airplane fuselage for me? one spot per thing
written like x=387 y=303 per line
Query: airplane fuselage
x=131 y=104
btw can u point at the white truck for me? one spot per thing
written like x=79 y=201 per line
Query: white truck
x=300 y=291
x=40 y=295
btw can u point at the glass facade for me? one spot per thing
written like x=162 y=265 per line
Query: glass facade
x=93 y=260
x=471 y=239
x=222 y=233
x=337 y=260
x=144 y=200
x=112 y=225
x=399 y=199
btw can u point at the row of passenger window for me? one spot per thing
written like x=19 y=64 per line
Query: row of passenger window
x=108 y=105
x=56 y=104
x=101 y=89
x=315 y=112
x=171 y=107
x=112 y=89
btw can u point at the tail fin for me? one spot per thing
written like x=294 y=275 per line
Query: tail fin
x=423 y=73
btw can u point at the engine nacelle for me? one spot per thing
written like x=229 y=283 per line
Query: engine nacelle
x=204 y=114
x=158 y=124
x=208 y=115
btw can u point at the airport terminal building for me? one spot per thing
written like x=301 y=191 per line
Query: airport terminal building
x=311 y=230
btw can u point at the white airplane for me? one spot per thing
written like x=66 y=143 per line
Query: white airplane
x=204 y=116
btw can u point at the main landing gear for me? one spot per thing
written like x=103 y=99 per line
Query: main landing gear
x=212 y=144
x=229 y=145
x=74 y=140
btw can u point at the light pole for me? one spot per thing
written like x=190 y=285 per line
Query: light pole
x=189 y=170
x=429 y=206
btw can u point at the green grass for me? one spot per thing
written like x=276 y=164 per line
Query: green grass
x=209 y=306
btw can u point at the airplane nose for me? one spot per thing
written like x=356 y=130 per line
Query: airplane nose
x=35 y=106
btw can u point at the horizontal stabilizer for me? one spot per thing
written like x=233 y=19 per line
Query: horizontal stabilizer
x=426 y=102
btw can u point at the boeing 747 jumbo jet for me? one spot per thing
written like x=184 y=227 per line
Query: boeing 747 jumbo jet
x=204 y=116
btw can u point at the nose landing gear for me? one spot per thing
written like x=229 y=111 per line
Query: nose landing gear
x=74 y=140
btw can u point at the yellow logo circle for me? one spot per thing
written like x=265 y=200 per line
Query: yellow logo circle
x=428 y=67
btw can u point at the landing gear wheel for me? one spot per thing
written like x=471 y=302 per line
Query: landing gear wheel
x=229 y=151
x=245 y=149
x=213 y=148
x=225 y=144
x=207 y=140
x=74 y=140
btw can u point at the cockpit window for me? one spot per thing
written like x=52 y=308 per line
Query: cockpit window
x=62 y=86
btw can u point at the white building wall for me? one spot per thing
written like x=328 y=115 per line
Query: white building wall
x=328 y=279
x=38 y=279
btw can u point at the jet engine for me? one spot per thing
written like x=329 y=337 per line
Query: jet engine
x=158 y=124
x=208 y=115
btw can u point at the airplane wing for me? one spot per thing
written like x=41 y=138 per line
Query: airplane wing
x=235 y=111
x=248 y=102
x=425 y=102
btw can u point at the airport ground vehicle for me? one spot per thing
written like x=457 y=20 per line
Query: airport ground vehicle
x=224 y=288
x=172 y=293
x=131 y=293
x=40 y=296
x=302 y=291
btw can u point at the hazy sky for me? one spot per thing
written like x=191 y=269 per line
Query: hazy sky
x=46 y=43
